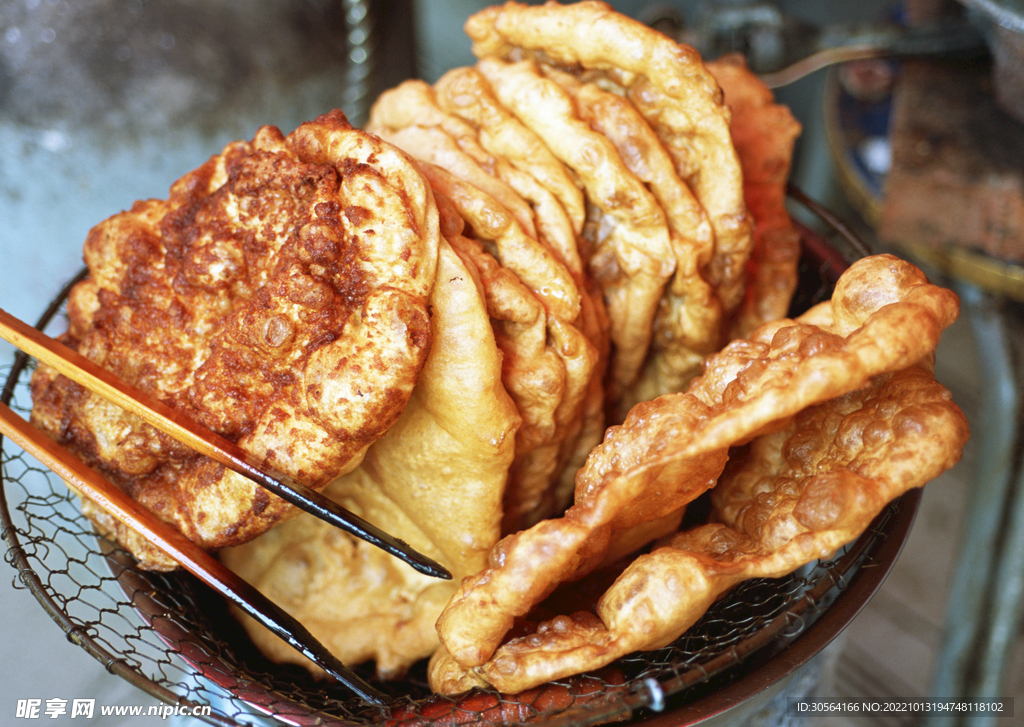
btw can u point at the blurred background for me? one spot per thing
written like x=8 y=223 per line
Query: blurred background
x=916 y=141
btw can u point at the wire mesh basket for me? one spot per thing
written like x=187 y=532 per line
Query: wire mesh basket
x=173 y=638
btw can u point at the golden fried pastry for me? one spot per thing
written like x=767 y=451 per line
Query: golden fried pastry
x=551 y=395
x=534 y=374
x=414 y=103
x=764 y=133
x=531 y=262
x=665 y=81
x=625 y=480
x=629 y=256
x=672 y=449
x=521 y=159
x=688 y=322
x=550 y=369
x=466 y=93
x=434 y=480
x=835 y=347
x=433 y=145
x=278 y=297
x=787 y=499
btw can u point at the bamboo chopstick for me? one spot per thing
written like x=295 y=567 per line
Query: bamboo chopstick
x=189 y=555
x=154 y=412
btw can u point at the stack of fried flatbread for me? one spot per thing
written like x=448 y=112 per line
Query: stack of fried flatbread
x=437 y=318
x=803 y=433
x=601 y=209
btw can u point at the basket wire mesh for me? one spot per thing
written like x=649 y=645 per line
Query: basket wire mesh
x=173 y=638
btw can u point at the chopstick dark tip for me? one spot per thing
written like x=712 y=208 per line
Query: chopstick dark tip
x=288 y=628
x=319 y=505
x=329 y=663
x=359 y=687
x=427 y=566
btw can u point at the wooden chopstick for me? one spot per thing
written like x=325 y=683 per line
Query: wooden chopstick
x=153 y=411
x=189 y=555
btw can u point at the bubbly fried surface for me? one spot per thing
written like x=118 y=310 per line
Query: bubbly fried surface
x=534 y=374
x=490 y=222
x=434 y=480
x=837 y=346
x=623 y=482
x=554 y=352
x=672 y=449
x=764 y=133
x=278 y=297
x=687 y=324
x=791 y=497
x=630 y=256
x=466 y=93
x=550 y=369
x=665 y=81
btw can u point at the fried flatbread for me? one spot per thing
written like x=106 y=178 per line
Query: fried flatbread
x=489 y=221
x=764 y=133
x=466 y=93
x=414 y=103
x=550 y=368
x=666 y=82
x=688 y=322
x=278 y=297
x=434 y=480
x=791 y=497
x=630 y=256
x=556 y=399
x=671 y=450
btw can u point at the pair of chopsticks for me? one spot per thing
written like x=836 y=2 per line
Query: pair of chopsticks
x=191 y=557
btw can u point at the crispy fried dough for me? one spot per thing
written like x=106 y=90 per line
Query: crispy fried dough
x=464 y=92
x=630 y=257
x=550 y=369
x=434 y=480
x=837 y=346
x=631 y=474
x=532 y=370
x=687 y=325
x=793 y=496
x=749 y=389
x=533 y=373
x=665 y=81
x=764 y=133
x=279 y=297
x=532 y=263
x=414 y=103
x=433 y=145
x=519 y=158
x=560 y=413
x=532 y=494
